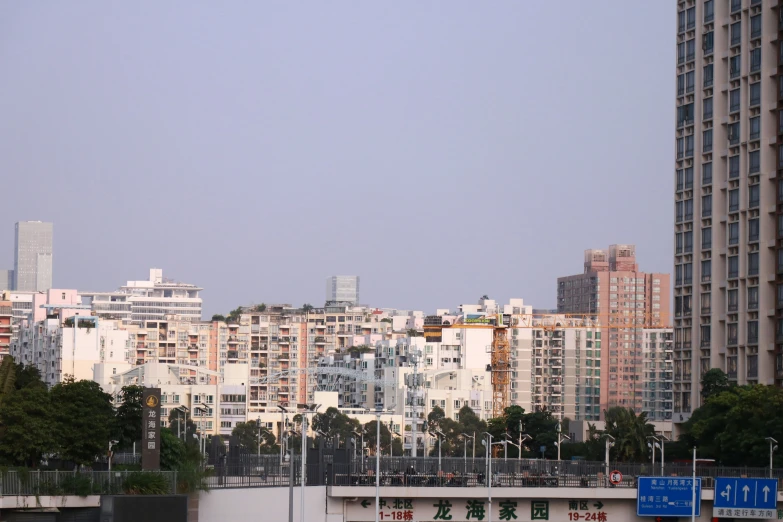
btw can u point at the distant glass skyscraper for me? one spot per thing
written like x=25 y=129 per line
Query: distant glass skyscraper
x=342 y=289
x=33 y=256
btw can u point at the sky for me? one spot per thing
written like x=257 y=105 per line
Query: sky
x=439 y=150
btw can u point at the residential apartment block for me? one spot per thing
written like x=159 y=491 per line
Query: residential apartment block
x=6 y=315
x=342 y=290
x=728 y=262
x=658 y=368
x=624 y=301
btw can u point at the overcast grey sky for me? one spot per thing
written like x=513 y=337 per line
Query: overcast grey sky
x=440 y=150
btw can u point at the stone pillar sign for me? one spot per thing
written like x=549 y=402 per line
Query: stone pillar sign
x=150 y=429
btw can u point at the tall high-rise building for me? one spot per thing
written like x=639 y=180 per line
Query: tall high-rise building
x=342 y=289
x=728 y=259
x=625 y=302
x=6 y=280
x=33 y=256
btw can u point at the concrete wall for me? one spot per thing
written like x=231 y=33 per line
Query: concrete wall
x=254 y=504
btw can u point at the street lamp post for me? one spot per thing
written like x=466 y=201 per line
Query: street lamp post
x=283 y=411
x=693 y=484
x=115 y=442
x=560 y=438
x=361 y=460
x=772 y=447
x=465 y=436
x=439 y=434
x=489 y=473
x=258 y=442
x=378 y=413
x=652 y=446
x=523 y=437
x=609 y=444
x=309 y=410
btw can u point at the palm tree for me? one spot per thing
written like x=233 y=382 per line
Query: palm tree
x=630 y=432
x=307 y=307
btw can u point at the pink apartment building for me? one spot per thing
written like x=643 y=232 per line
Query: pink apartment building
x=625 y=301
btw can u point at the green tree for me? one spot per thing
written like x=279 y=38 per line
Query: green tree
x=247 y=435
x=261 y=308
x=83 y=418
x=219 y=318
x=334 y=423
x=27 y=376
x=235 y=314
x=180 y=427
x=630 y=432
x=27 y=431
x=370 y=437
x=128 y=418
x=307 y=307
x=7 y=376
x=172 y=451
x=714 y=382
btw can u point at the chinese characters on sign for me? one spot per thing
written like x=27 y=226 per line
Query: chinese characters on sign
x=539 y=510
x=150 y=429
x=452 y=509
x=397 y=509
x=747 y=513
x=574 y=506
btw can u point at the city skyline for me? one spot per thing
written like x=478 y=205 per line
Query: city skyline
x=438 y=133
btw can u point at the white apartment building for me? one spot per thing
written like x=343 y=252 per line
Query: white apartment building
x=150 y=300
x=66 y=344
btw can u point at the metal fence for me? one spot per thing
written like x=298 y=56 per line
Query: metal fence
x=267 y=471
x=84 y=483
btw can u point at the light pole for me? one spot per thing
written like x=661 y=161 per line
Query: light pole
x=391 y=446
x=361 y=460
x=609 y=444
x=283 y=411
x=465 y=436
x=523 y=437
x=378 y=413
x=114 y=442
x=655 y=442
x=560 y=438
x=438 y=435
x=258 y=442
x=772 y=447
x=309 y=410
x=693 y=485
x=489 y=473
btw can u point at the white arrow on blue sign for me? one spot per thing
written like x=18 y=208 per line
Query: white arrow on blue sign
x=746 y=493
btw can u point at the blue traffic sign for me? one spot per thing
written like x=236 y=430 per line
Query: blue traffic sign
x=667 y=497
x=745 y=497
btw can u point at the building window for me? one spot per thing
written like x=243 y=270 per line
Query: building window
x=734 y=100
x=707 y=141
x=684 y=114
x=688 y=240
x=688 y=209
x=734 y=66
x=691 y=17
x=734 y=133
x=681 y=52
x=734 y=200
x=690 y=82
x=755 y=94
x=706 y=271
x=753 y=360
x=780 y=260
x=753 y=298
x=734 y=233
x=753 y=196
x=688 y=178
x=687 y=277
x=679 y=208
x=736 y=5
x=755 y=60
x=731 y=333
x=707 y=109
x=755 y=26
x=681 y=148
x=755 y=133
x=706 y=238
x=780 y=120
x=706 y=174
x=690 y=50
x=689 y=145
x=753 y=264
x=753 y=229
x=708 y=43
x=706 y=206
x=780 y=225
x=708 y=76
x=680 y=180
x=680 y=85
x=709 y=11
x=736 y=33
x=732 y=300
x=733 y=267
x=753 y=332
x=733 y=167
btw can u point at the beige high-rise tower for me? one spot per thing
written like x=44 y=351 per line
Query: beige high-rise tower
x=728 y=263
